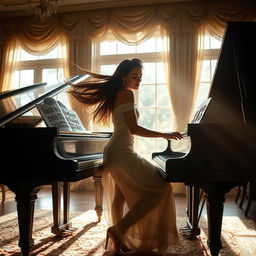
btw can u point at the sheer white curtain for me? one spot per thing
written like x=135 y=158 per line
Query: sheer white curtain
x=183 y=68
x=8 y=64
x=33 y=37
x=183 y=71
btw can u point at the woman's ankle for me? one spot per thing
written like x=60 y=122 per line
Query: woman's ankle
x=115 y=238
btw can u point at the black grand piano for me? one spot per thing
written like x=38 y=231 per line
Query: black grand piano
x=223 y=145
x=33 y=156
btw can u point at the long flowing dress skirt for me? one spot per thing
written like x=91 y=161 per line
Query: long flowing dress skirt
x=149 y=212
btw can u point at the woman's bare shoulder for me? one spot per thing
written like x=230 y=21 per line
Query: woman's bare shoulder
x=124 y=96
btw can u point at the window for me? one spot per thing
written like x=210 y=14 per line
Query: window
x=30 y=69
x=152 y=97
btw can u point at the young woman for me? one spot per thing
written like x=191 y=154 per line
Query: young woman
x=141 y=207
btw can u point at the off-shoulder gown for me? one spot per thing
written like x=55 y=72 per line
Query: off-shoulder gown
x=149 y=212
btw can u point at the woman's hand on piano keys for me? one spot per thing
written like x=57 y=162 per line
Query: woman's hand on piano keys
x=172 y=135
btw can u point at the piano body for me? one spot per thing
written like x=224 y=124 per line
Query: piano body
x=223 y=148
x=34 y=156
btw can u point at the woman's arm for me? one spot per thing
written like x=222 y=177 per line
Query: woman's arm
x=136 y=129
x=131 y=121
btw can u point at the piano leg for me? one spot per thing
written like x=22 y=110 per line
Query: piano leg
x=191 y=230
x=214 y=213
x=98 y=192
x=26 y=194
x=189 y=191
x=66 y=202
x=61 y=228
x=215 y=195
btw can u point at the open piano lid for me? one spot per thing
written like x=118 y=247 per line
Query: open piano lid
x=233 y=85
x=15 y=103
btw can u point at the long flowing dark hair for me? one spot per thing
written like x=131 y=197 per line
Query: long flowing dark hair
x=101 y=90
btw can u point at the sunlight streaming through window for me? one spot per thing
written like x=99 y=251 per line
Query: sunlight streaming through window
x=152 y=97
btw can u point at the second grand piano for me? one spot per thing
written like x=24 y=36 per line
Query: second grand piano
x=223 y=148
x=35 y=156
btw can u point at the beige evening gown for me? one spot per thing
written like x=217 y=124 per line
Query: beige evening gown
x=149 y=212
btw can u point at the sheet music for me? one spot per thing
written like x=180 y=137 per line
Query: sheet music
x=56 y=114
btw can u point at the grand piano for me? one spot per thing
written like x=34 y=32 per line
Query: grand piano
x=33 y=156
x=223 y=149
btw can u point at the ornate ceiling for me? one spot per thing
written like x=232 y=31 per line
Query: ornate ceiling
x=15 y=8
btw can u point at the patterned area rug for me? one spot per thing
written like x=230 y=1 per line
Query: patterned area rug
x=238 y=237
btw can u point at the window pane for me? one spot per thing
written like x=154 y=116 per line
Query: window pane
x=26 y=77
x=164 y=120
x=160 y=73
x=205 y=73
x=108 y=48
x=215 y=44
x=149 y=73
x=202 y=93
x=124 y=48
x=147 y=96
x=107 y=69
x=60 y=74
x=27 y=56
x=16 y=80
x=147 y=46
x=163 y=99
x=50 y=75
x=161 y=145
x=147 y=118
x=146 y=146
x=160 y=44
x=206 y=42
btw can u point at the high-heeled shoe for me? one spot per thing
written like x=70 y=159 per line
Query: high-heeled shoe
x=107 y=239
x=117 y=245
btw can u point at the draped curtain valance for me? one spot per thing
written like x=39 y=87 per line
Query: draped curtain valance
x=36 y=38
x=130 y=23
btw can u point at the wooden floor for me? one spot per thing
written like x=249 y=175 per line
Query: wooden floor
x=84 y=200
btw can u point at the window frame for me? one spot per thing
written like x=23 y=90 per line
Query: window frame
x=38 y=64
